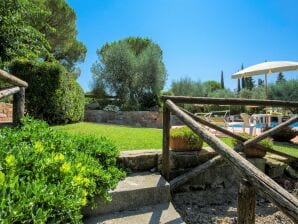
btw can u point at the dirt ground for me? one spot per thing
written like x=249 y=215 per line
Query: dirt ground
x=219 y=206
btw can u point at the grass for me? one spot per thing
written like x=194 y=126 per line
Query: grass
x=131 y=138
x=287 y=148
x=124 y=137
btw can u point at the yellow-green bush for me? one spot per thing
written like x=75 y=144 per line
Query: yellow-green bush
x=47 y=176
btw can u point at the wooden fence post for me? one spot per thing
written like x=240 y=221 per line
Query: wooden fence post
x=246 y=203
x=18 y=105
x=166 y=142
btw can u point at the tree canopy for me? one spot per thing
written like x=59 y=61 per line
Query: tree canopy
x=131 y=69
x=39 y=29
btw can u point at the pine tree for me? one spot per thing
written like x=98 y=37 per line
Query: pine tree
x=260 y=82
x=249 y=83
x=222 y=84
x=242 y=79
x=238 y=87
x=280 y=78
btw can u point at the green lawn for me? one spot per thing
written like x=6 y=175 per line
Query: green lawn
x=124 y=137
x=131 y=138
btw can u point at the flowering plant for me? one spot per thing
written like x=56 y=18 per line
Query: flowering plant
x=47 y=176
x=111 y=108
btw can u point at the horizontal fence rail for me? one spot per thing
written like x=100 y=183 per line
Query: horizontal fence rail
x=239 y=137
x=253 y=178
x=5 y=76
x=9 y=91
x=18 y=92
x=229 y=101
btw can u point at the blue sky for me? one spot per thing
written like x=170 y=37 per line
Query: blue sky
x=199 y=38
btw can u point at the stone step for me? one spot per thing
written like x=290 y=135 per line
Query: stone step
x=161 y=213
x=135 y=191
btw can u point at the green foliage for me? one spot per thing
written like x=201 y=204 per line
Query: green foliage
x=18 y=38
x=185 y=132
x=222 y=83
x=39 y=29
x=187 y=87
x=53 y=93
x=285 y=90
x=267 y=142
x=284 y=135
x=131 y=69
x=61 y=33
x=280 y=78
x=249 y=83
x=47 y=176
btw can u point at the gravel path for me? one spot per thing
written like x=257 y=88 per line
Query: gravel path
x=219 y=206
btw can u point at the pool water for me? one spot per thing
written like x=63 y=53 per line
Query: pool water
x=273 y=124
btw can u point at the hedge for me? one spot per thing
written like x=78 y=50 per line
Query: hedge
x=53 y=93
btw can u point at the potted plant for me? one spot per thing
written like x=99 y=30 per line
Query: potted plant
x=254 y=151
x=184 y=139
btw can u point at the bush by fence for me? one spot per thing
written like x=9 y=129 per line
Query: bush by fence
x=53 y=93
x=47 y=176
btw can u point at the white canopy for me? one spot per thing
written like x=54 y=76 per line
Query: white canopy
x=266 y=68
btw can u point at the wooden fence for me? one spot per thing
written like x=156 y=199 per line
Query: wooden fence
x=18 y=92
x=252 y=178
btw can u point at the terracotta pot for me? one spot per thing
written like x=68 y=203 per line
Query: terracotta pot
x=254 y=152
x=182 y=144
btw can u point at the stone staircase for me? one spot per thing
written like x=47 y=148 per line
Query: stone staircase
x=141 y=198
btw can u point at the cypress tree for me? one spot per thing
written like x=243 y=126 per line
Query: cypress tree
x=222 y=84
x=238 y=87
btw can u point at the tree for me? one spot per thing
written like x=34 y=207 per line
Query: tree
x=238 y=86
x=286 y=90
x=131 y=69
x=245 y=93
x=211 y=86
x=222 y=84
x=260 y=82
x=187 y=87
x=280 y=78
x=18 y=38
x=249 y=83
x=61 y=33
x=242 y=79
x=39 y=29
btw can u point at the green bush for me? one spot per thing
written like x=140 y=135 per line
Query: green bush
x=267 y=142
x=285 y=134
x=47 y=176
x=185 y=132
x=53 y=93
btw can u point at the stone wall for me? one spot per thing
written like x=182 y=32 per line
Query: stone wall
x=150 y=119
x=221 y=175
x=5 y=112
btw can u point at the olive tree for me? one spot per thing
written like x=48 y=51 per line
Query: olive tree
x=132 y=70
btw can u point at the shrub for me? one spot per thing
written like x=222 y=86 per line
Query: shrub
x=111 y=108
x=53 y=93
x=267 y=142
x=193 y=139
x=47 y=176
x=285 y=134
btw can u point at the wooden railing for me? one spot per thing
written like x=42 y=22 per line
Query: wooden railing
x=252 y=178
x=18 y=92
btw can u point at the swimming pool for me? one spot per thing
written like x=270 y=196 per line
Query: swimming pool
x=273 y=124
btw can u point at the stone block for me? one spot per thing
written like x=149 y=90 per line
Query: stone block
x=260 y=163
x=274 y=168
x=135 y=191
x=291 y=172
x=139 y=160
